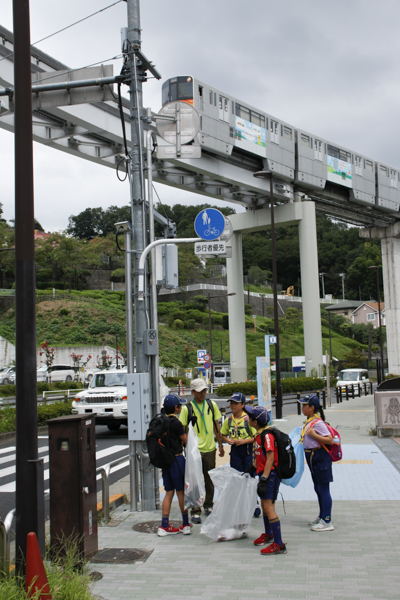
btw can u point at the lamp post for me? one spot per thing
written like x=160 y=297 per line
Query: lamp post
x=342 y=275
x=278 y=410
x=377 y=267
x=323 y=286
x=210 y=330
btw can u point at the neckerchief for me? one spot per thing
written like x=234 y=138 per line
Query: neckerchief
x=237 y=421
x=201 y=411
x=306 y=423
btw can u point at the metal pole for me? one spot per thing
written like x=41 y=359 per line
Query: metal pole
x=330 y=338
x=27 y=518
x=137 y=192
x=209 y=329
x=380 y=324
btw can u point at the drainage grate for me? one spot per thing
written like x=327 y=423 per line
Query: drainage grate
x=121 y=555
x=352 y=427
x=95 y=576
x=152 y=526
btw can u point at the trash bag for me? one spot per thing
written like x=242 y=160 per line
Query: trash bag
x=232 y=513
x=299 y=452
x=195 y=491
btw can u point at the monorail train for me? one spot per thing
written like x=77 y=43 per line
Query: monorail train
x=231 y=127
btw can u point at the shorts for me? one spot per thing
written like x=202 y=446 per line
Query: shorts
x=320 y=464
x=273 y=482
x=241 y=459
x=174 y=476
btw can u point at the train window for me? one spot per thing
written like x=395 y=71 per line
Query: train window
x=383 y=170
x=368 y=165
x=201 y=122
x=211 y=97
x=393 y=178
x=178 y=88
x=233 y=107
x=200 y=91
x=215 y=99
x=287 y=132
x=250 y=115
x=305 y=140
x=338 y=153
x=358 y=165
x=220 y=102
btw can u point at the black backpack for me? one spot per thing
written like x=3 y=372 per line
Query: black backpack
x=158 y=444
x=286 y=467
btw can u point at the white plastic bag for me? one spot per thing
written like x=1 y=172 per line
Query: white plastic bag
x=195 y=491
x=299 y=452
x=232 y=514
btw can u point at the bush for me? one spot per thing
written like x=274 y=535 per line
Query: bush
x=45 y=412
x=247 y=309
x=174 y=381
x=190 y=323
x=63 y=312
x=248 y=388
x=178 y=324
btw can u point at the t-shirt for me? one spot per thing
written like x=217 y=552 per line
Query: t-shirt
x=320 y=428
x=204 y=426
x=260 y=456
x=176 y=429
x=236 y=428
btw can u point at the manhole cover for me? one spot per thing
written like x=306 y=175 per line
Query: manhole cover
x=121 y=555
x=95 y=576
x=152 y=526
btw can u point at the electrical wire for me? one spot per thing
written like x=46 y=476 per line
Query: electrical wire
x=68 y=26
x=58 y=73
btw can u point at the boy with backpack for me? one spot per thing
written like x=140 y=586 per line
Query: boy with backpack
x=173 y=476
x=266 y=464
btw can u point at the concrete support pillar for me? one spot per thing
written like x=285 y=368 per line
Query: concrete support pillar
x=237 y=329
x=310 y=289
x=391 y=284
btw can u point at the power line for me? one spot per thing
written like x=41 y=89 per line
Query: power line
x=68 y=26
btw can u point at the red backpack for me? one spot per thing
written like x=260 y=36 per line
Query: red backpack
x=334 y=451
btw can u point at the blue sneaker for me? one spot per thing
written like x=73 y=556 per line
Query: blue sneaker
x=257 y=512
x=196 y=520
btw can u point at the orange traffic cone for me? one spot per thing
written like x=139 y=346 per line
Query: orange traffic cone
x=35 y=578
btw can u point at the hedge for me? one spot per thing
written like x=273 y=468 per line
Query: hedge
x=9 y=390
x=249 y=388
x=45 y=412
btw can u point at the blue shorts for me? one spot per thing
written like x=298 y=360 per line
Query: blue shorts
x=241 y=459
x=273 y=482
x=320 y=464
x=174 y=476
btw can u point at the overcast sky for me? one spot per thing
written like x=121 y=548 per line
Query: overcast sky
x=331 y=68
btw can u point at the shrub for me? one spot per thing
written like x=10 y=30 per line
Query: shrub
x=300 y=384
x=247 y=309
x=178 y=324
x=63 y=312
x=190 y=323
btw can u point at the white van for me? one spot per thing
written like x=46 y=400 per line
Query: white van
x=352 y=376
x=107 y=398
x=222 y=376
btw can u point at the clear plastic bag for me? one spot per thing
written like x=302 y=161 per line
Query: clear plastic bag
x=232 y=514
x=195 y=491
x=299 y=452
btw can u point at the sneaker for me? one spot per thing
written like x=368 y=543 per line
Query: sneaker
x=322 y=526
x=207 y=511
x=263 y=539
x=162 y=531
x=274 y=549
x=317 y=520
x=185 y=529
x=196 y=519
x=257 y=512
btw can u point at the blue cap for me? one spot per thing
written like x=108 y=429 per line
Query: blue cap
x=238 y=397
x=173 y=400
x=311 y=400
x=258 y=413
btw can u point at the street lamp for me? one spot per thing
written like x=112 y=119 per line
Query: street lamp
x=278 y=410
x=209 y=328
x=377 y=267
x=342 y=275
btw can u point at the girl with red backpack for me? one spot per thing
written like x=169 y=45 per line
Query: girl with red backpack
x=315 y=437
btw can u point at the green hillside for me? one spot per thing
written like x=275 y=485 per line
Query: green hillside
x=96 y=318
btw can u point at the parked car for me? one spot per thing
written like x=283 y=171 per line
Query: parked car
x=107 y=398
x=55 y=373
x=352 y=376
x=7 y=375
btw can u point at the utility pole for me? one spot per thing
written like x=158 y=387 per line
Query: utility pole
x=137 y=74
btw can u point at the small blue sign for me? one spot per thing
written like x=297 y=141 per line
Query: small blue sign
x=209 y=224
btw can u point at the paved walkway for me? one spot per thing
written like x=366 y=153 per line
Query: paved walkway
x=359 y=560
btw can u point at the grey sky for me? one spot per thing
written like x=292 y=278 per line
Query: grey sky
x=328 y=67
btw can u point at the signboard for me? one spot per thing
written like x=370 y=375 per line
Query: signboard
x=272 y=339
x=245 y=130
x=200 y=356
x=207 y=365
x=207 y=357
x=209 y=224
x=209 y=248
x=339 y=171
x=298 y=363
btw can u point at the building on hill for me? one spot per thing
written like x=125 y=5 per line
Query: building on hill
x=368 y=312
x=344 y=308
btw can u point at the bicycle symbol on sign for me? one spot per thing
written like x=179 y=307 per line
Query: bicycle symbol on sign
x=211 y=231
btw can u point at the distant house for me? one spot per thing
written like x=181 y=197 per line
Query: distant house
x=344 y=309
x=368 y=312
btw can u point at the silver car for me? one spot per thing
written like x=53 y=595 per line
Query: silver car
x=7 y=375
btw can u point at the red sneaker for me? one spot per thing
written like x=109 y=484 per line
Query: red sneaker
x=274 y=549
x=263 y=539
x=185 y=529
x=167 y=530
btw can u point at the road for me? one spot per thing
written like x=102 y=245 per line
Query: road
x=110 y=445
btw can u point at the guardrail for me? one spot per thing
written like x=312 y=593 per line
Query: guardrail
x=5 y=530
x=65 y=393
x=353 y=390
x=105 y=471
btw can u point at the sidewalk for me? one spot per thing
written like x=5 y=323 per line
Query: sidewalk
x=358 y=560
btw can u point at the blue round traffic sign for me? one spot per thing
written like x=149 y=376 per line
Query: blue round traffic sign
x=209 y=224
x=207 y=365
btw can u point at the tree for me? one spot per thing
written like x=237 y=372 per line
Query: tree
x=258 y=275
